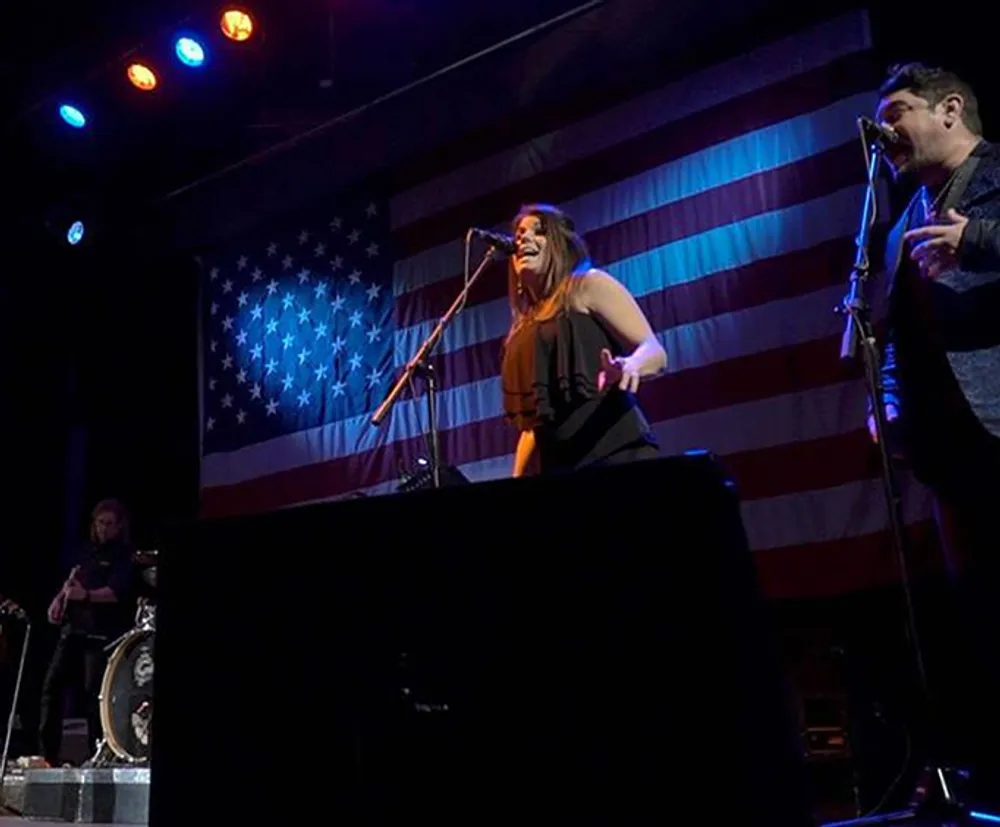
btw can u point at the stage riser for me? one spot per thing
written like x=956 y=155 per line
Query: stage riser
x=598 y=640
x=89 y=796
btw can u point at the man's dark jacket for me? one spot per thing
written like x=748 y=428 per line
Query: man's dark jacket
x=946 y=344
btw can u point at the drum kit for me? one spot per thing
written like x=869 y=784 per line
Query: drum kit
x=126 y=697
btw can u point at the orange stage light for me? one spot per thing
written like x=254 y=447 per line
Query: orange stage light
x=236 y=25
x=142 y=77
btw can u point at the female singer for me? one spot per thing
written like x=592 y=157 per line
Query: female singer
x=577 y=349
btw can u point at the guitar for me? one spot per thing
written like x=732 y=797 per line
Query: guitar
x=57 y=610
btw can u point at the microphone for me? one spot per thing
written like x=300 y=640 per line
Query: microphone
x=876 y=133
x=504 y=243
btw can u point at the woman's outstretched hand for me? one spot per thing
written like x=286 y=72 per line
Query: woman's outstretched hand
x=617 y=370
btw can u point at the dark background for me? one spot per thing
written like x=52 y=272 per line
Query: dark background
x=98 y=343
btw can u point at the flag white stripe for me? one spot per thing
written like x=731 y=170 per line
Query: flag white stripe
x=770 y=326
x=829 y=514
x=766 y=423
x=770 y=64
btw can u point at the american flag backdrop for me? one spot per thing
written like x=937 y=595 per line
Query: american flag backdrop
x=727 y=202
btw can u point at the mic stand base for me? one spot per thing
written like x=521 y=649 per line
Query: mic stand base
x=426 y=370
x=936 y=802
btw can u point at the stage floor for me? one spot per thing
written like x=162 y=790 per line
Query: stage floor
x=30 y=822
x=24 y=822
x=54 y=797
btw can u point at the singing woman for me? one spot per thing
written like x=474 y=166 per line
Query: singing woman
x=578 y=347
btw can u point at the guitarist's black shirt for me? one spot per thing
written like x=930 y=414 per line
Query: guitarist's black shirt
x=107 y=565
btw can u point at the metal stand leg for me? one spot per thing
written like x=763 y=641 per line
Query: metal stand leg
x=5 y=809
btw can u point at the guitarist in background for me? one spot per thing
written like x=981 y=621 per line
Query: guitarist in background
x=92 y=609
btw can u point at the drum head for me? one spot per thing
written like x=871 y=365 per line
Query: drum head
x=127 y=697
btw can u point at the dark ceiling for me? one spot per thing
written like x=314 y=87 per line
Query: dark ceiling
x=310 y=60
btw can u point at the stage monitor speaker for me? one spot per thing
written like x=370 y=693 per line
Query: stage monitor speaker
x=585 y=649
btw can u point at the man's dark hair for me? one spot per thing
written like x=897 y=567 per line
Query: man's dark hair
x=933 y=85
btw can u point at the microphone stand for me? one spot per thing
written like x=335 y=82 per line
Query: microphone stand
x=420 y=365
x=941 y=803
x=6 y=810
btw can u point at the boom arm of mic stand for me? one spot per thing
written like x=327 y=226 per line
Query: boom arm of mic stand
x=419 y=363
x=856 y=304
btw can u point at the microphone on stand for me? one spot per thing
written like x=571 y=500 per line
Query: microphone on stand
x=876 y=133
x=420 y=362
x=503 y=243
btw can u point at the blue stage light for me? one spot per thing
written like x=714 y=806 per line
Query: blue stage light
x=73 y=116
x=75 y=233
x=189 y=51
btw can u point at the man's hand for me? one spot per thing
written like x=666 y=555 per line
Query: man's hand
x=935 y=247
x=891 y=415
x=55 y=613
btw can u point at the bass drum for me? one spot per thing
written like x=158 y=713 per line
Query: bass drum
x=126 y=698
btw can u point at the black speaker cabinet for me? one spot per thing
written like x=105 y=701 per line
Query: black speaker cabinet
x=587 y=649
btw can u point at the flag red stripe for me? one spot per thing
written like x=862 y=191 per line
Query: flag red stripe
x=805 y=465
x=836 y=567
x=797 y=95
x=800 y=367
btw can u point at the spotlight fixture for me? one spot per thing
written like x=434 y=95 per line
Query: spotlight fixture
x=73 y=116
x=75 y=233
x=189 y=51
x=236 y=24
x=142 y=77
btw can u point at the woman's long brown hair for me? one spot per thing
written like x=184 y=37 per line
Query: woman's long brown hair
x=568 y=257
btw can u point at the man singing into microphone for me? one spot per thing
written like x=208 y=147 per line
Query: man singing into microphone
x=941 y=363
